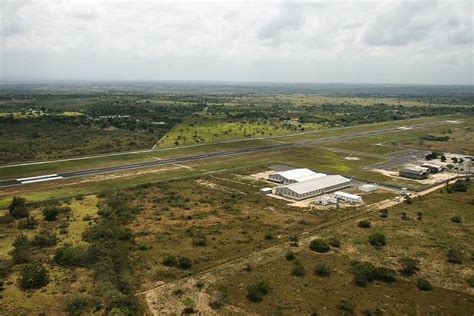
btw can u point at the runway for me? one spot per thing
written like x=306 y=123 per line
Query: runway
x=206 y=156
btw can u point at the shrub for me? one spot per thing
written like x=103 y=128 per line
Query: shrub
x=77 y=305
x=200 y=241
x=364 y=224
x=377 y=240
x=334 y=242
x=32 y=276
x=456 y=219
x=298 y=269
x=322 y=269
x=184 y=263
x=17 y=208
x=21 y=249
x=409 y=266
x=346 y=306
x=170 y=261
x=385 y=274
x=69 y=255
x=27 y=223
x=290 y=255
x=470 y=281
x=364 y=272
x=319 y=245
x=45 y=238
x=423 y=284
x=455 y=255
x=383 y=213
x=256 y=292
x=50 y=213
x=459 y=186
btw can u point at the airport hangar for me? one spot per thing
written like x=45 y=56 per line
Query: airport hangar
x=316 y=186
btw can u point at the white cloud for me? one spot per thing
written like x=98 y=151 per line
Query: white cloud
x=330 y=41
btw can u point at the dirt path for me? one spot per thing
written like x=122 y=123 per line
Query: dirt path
x=161 y=300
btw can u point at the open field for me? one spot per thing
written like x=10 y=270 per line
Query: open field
x=460 y=141
x=196 y=132
x=224 y=289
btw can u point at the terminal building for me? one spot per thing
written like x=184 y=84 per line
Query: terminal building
x=313 y=187
x=294 y=176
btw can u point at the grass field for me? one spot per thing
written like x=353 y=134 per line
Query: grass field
x=208 y=132
x=426 y=240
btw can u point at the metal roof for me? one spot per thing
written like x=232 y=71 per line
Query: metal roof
x=316 y=184
x=413 y=171
x=347 y=195
x=300 y=174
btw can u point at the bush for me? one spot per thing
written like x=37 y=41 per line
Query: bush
x=377 y=240
x=322 y=269
x=364 y=272
x=21 y=249
x=409 y=266
x=423 y=284
x=200 y=241
x=346 y=306
x=184 y=263
x=170 y=261
x=17 y=208
x=27 y=223
x=45 y=238
x=470 y=281
x=383 y=213
x=50 y=213
x=298 y=269
x=385 y=274
x=454 y=255
x=334 y=242
x=319 y=245
x=77 y=305
x=459 y=186
x=69 y=255
x=290 y=255
x=364 y=224
x=32 y=276
x=456 y=219
x=256 y=292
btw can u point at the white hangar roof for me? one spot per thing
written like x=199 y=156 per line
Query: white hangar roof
x=317 y=184
x=300 y=174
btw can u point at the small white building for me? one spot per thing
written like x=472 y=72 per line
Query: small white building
x=347 y=197
x=433 y=168
x=368 y=187
x=295 y=175
x=266 y=190
x=325 y=200
x=310 y=188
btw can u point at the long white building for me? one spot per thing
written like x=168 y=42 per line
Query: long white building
x=295 y=175
x=313 y=187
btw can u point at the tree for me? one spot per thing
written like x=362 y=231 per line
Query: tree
x=364 y=224
x=44 y=238
x=322 y=269
x=18 y=208
x=319 y=245
x=184 y=263
x=377 y=240
x=423 y=284
x=290 y=255
x=69 y=255
x=21 y=249
x=346 y=307
x=33 y=275
x=385 y=274
x=455 y=255
x=50 y=213
x=298 y=269
x=364 y=272
x=256 y=292
x=409 y=266
x=27 y=223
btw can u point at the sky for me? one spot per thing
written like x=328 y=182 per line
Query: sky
x=419 y=42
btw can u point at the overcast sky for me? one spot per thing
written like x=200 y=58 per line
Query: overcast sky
x=379 y=41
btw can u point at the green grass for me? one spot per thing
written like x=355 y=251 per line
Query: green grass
x=216 y=131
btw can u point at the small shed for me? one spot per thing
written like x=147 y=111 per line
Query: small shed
x=266 y=190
